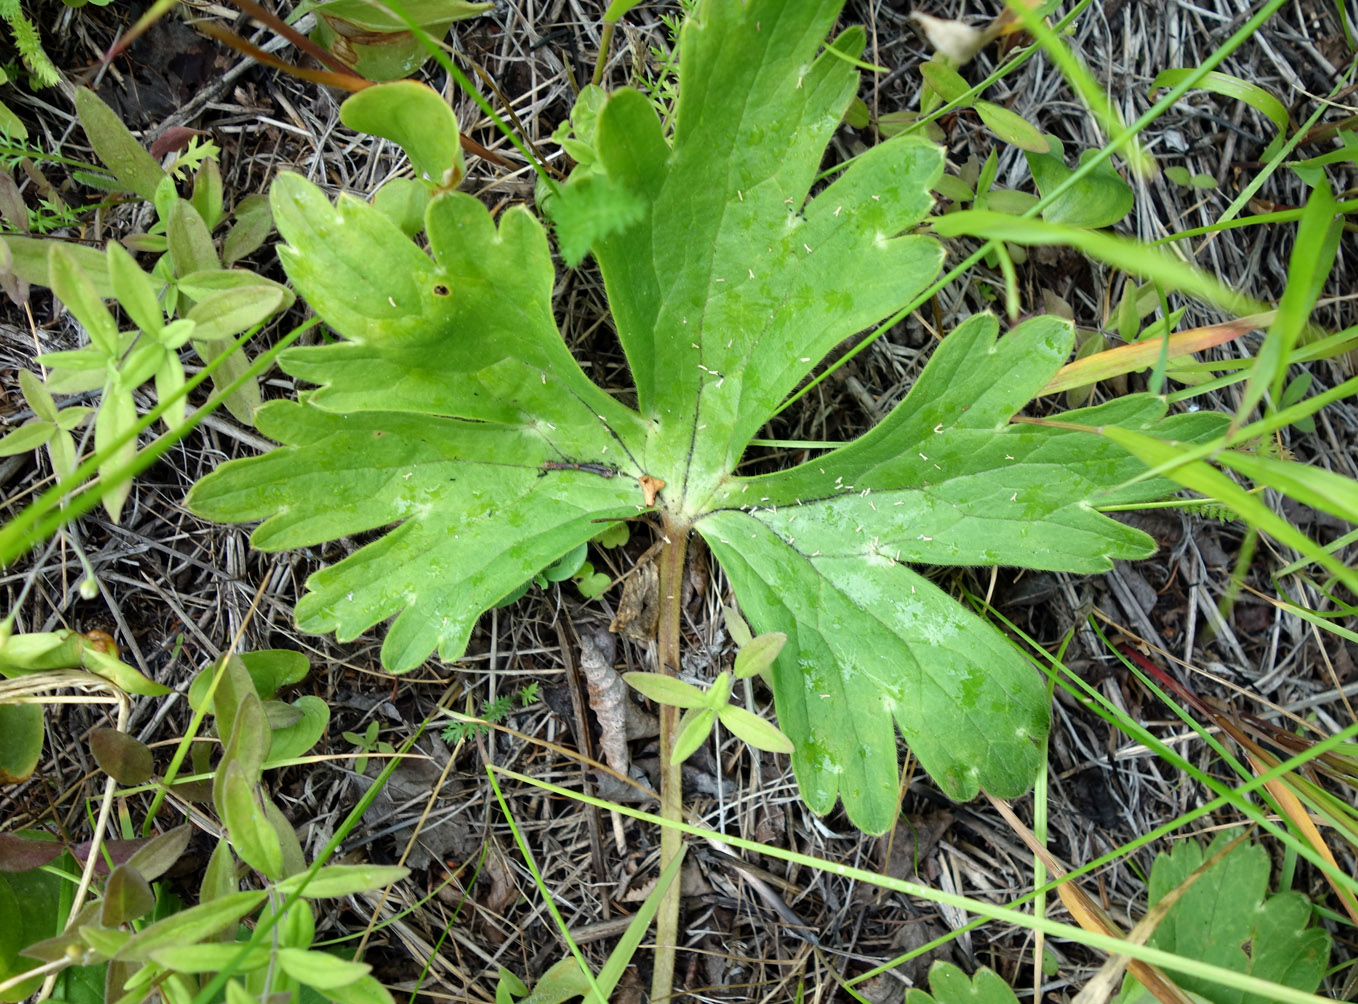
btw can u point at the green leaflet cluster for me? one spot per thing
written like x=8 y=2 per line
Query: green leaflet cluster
x=454 y=414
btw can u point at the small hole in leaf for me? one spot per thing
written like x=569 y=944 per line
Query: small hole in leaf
x=441 y=290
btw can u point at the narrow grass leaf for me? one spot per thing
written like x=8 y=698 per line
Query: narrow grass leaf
x=1201 y=477
x=621 y=956
x=1137 y=356
x=1131 y=256
x=1308 y=266
x=1316 y=487
x=1258 y=98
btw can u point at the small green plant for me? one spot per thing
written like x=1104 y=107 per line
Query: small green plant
x=188 y=298
x=190 y=272
x=143 y=949
x=367 y=742
x=294 y=726
x=119 y=362
x=454 y=419
x=34 y=663
x=36 y=62
x=703 y=709
x=1227 y=918
x=950 y=985
x=49 y=427
x=494 y=712
x=660 y=75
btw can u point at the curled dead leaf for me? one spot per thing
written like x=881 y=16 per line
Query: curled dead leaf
x=639 y=608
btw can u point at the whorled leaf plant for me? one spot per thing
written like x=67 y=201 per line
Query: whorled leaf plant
x=455 y=416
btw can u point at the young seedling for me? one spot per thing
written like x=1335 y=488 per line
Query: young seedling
x=367 y=742
x=704 y=708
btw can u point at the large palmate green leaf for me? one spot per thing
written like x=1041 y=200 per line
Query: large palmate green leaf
x=455 y=416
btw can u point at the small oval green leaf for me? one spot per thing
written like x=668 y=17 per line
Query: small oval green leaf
x=416 y=117
x=20 y=741
x=320 y=969
x=121 y=757
x=758 y=654
x=127 y=896
x=749 y=727
x=251 y=229
x=134 y=289
x=272 y=669
x=1012 y=127
x=227 y=313
x=135 y=169
x=210 y=958
x=72 y=286
x=251 y=835
x=667 y=690
x=946 y=82
x=694 y=728
x=313 y=717
x=161 y=852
